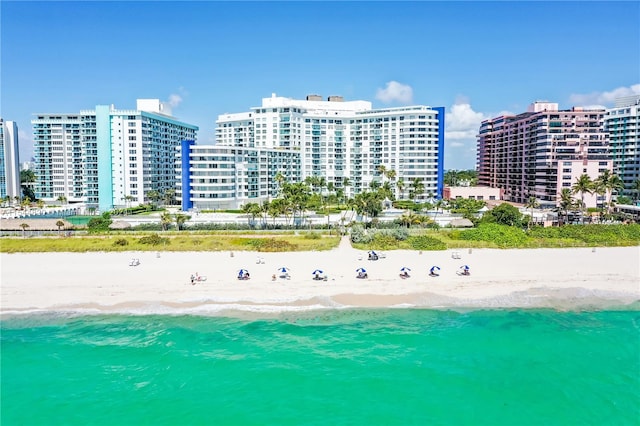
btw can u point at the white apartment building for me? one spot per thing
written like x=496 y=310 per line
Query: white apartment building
x=622 y=122
x=345 y=142
x=9 y=160
x=107 y=157
x=225 y=177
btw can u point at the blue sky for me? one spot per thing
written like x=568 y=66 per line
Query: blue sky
x=477 y=59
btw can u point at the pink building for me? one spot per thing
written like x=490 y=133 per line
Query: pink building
x=542 y=151
x=484 y=193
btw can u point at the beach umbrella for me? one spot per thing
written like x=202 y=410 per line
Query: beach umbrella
x=283 y=270
x=405 y=269
x=434 y=269
x=361 y=270
x=317 y=271
x=242 y=272
x=464 y=267
x=372 y=252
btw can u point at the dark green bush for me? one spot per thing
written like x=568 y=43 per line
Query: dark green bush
x=121 y=242
x=153 y=240
x=501 y=235
x=423 y=242
x=591 y=233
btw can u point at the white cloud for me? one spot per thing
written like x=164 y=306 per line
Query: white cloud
x=462 y=122
x=600 y=99
x=174 y=100
x=395 y=92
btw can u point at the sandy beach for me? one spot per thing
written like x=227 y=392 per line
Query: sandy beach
x=573 y=278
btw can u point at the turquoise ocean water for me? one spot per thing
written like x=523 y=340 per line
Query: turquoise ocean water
x=357 y=367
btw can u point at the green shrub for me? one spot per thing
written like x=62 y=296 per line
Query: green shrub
x=422 y=242
x=501 y=235
x=593 y=234
x=384 y=241
x=154 y=240
x=360 y=235
x=121 y=242
x=100 y=224
x=312 y=235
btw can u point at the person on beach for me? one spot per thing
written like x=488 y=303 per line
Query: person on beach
x=193 y=280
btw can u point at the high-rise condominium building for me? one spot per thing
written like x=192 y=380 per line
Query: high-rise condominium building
x=622 y=122
x=9 y=160
x=345 y=142
x=108 y=157
x=542 y=151
x=226 y=177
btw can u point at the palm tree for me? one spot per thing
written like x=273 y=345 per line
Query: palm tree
x=532 y=203
x=600 y=188
x=635 y=187
x=251 y=210
x=59 y=224
x=24 y=226
x=154 y=196
x=401 y=186
x=62 y=199
x=451 y=177
x=583 y=184
x=615 y=184
x=169 y=196
x=346 y=182
x=26 y=202
x=180 y=220
x=566 y=202
x=27 y=180
x=277 y=208
x=410 y=218
x=391 y=174
x=166 y=220
x=387 y=190
x=382 y=171
x=417 y=188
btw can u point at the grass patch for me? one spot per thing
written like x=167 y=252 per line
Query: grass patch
x=168 y=242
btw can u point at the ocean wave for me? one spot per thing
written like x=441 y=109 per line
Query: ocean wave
x=561 y=299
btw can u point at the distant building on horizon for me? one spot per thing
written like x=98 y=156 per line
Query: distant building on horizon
x=108 y=157
x=345 y=142
x=622 y=122
x=542 y=151
x=9 y=160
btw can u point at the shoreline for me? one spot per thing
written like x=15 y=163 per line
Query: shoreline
x=105 y=283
